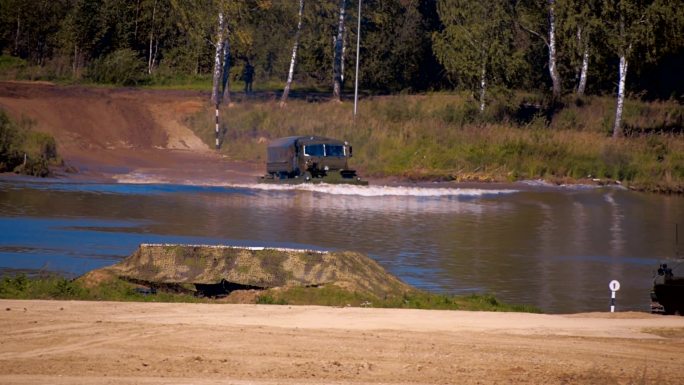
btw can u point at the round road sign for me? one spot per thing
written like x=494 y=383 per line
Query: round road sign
x=614 y=285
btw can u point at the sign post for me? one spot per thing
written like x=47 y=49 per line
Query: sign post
x=614 y=286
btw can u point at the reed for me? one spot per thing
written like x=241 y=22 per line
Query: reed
x=444 y=137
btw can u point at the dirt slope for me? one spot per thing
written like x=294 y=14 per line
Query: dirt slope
x=86 y=118
x=61 y=342
x=136 y=135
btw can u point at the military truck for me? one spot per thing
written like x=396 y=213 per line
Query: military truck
x=309 y=159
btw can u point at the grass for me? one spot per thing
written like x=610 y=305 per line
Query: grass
x=443 y=136
x=330 y=295
x=54 y=287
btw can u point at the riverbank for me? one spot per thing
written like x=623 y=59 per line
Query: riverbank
x=443 y=137
x=167 y=136
x=66 y=342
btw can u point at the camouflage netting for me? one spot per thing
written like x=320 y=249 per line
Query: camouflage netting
x=263 y=268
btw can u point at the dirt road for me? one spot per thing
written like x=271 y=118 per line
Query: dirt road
x=136 y=343
x=129 y=135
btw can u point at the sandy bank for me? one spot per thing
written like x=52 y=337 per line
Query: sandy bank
x=129 y=343
x=123 y=134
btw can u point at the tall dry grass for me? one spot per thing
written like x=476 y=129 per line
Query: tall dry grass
x=443 y=136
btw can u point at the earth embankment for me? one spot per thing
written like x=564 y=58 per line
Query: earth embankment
x=122 y=133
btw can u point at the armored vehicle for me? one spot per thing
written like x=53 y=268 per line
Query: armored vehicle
x=312 y=159
x=668 y=291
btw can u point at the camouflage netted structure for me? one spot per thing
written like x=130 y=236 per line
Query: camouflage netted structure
x=264 y=268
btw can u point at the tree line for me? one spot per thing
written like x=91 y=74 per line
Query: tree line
x=558 y=47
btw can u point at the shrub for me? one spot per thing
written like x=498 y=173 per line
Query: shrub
x=121 y=67
x=11 y=142
x=23 y=150
x=11 y=67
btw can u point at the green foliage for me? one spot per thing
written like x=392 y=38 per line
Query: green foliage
x=23 y=150
x=121 y=67
x=330 y=295
x=11 y=67
x=472 y=302
x=266 y=299
x=459 y=114
x=56 y=287
x=406 y=45
x=47 y=287
x=395 y=45
x=476 y=44
x=11 y=142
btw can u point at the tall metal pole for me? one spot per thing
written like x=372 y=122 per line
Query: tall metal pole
x=358 y=42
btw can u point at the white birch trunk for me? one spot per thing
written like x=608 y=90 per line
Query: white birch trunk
x=581 y=87
x=553 y=71
x=150 y=59
x=290 y=73
x=218 y=68
x=483 y=86
x=344 y=51
x=337 y=64
x=225 y=82
x=584 y=67
x=617 y=127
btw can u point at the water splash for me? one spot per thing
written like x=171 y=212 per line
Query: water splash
x=333 y=189
x=381 y=191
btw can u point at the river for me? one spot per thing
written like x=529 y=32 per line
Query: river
x=553 y=247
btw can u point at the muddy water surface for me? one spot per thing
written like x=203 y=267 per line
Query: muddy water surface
x=556 y=248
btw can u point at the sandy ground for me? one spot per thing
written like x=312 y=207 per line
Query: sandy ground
x=61 y=342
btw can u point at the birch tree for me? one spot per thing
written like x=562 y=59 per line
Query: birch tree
x=337 y=61
x=580 y=24
x=225 y=80
x=643 y=28
x=476 y=43
x=81 y=29
x=290 y=73
x=531 y=19
x=219 y=41
x=152 y=53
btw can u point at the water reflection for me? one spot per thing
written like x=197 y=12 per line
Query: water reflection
x=556 y=249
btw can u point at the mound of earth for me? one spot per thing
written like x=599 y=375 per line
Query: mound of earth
x=129 y=135
x=88 y=118
x=215 y=270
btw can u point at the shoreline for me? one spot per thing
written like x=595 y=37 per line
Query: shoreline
x=67 y=342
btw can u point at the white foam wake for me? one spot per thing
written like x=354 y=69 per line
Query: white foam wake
x=332 y=189
x=379 y=191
